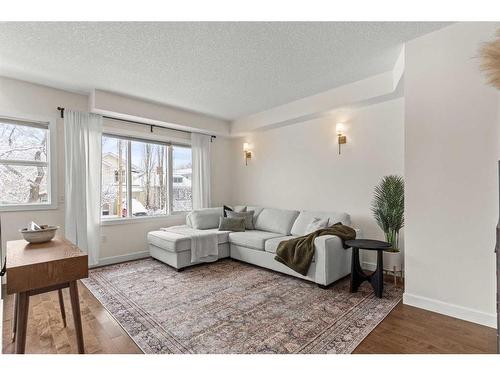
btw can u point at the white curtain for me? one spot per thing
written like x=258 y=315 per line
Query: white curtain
x=82 y=144
x=200 y=146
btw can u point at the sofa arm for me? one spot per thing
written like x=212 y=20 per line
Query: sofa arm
x=332 y=261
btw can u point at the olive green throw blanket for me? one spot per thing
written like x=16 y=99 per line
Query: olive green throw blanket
x=298 y=253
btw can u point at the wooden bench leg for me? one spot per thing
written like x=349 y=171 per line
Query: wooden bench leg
x=22 y=321
x=61 y=305
x=75 y=306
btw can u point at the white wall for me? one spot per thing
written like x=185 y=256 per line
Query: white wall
x=452 y=148
x=120 y=241
x=298 y=166
x=221 y=178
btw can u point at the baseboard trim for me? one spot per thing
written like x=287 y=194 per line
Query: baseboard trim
x=450 y=309
x=121 y=258
x=370 y=266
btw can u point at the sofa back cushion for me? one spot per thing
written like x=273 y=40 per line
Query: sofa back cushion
x=275 y=220
x=305 y=218
x=256 y=212
x=204 y=218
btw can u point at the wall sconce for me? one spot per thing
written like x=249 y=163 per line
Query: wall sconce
x=247 y=152
x=342 y=139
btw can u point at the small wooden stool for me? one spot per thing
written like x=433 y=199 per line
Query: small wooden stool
x=40 y=268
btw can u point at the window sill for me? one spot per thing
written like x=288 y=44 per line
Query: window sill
x=28 y=207
x=140 y=219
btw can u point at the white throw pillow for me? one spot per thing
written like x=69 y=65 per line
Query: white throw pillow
x=316 y=223
x=204 y=218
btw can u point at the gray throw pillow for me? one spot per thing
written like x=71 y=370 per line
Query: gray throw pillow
x=232 y=224
x=248 y=216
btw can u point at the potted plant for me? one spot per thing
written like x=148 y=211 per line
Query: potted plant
x=388 y=210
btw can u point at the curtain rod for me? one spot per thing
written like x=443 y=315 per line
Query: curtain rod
x=61 y=110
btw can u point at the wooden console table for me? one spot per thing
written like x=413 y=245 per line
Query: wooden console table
x=39 y=268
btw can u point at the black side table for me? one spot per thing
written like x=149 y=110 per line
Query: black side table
x=358 y=275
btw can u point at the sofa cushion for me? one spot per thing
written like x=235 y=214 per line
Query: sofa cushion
x=205 y=218
x=256 y=212
x=276 y=220
x=272 y=244
x=178 y=238
x=247 y=216
x=254 y=239
x=299 y=228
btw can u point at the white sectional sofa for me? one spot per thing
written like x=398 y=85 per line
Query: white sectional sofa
x=331 y=261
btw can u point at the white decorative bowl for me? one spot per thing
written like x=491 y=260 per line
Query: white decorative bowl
x=45 y=234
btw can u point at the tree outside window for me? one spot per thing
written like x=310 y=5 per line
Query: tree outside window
x=24 y=162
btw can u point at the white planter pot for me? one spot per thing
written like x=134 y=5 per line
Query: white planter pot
x=392 y=261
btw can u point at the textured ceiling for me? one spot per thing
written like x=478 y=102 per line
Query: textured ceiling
x=225 y=69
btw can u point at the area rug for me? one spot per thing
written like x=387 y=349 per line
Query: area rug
x=232 y=307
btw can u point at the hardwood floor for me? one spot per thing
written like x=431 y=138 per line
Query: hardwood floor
x=410 y=330
x=101 y=333
x=405 y=330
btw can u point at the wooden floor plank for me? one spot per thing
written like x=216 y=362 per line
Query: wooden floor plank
x=411 y=330
x=405 y=330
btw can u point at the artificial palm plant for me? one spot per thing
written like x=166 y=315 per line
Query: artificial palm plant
x=388 y=208
x=490 y=63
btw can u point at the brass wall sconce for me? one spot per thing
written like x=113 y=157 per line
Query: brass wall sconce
x=342 y=139
x=247 y=152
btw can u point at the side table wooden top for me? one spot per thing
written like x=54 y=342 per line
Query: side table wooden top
x=32 y=266
x=22 y=253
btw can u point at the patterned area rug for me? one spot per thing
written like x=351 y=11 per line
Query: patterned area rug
x=232 y=307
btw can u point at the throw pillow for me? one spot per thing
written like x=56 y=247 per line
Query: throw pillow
x=204 y=218
x=316 y=223
x=236 y=209
x=248 y=216
x=226 y=208
x=240 y=209
x=232 y=224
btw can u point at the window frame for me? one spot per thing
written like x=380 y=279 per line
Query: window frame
x=169 y=186
x=51 y=163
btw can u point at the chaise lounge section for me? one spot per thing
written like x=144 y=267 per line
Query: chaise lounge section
x=258 y=246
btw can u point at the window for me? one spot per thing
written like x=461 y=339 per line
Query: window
x=135 y=174
x=182 y=175
x=26 y=179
